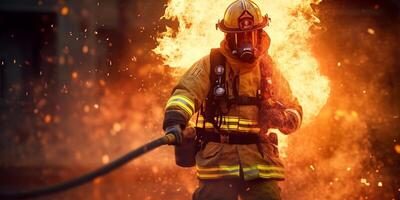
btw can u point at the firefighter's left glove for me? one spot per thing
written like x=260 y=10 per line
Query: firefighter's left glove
x=275 y=118
x=175 y=130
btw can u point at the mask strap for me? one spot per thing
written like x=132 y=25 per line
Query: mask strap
x=253 y=39
x=236 y=40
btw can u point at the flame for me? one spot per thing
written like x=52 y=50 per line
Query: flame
x=290 y=48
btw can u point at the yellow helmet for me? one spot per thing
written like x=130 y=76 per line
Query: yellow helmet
x=242 y=16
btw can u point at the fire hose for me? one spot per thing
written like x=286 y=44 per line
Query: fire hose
x=167 y=139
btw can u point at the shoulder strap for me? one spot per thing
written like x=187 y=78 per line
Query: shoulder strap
x=212 y=107
x=216 y=59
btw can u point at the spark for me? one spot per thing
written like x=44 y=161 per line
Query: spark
x=365 y=182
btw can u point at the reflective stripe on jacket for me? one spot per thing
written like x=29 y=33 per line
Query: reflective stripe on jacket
x=231 y=123
x=255 y=171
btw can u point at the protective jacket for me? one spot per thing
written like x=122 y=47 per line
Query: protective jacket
x=221 y=160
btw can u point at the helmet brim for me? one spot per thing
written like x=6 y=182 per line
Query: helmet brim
x=221 y=26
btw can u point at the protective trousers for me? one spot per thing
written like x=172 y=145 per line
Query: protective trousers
x=231 y=189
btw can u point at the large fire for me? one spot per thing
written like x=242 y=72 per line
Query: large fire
x=290 y=49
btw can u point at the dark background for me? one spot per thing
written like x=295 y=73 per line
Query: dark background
x=79 y=86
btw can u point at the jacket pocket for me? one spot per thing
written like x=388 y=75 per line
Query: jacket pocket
x=211 y=150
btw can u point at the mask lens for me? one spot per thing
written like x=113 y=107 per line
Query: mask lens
x=243 y=44
x=236 y=40
x=245 y=37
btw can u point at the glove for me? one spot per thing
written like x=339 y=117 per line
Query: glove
x=176 y=130
x=274 y=118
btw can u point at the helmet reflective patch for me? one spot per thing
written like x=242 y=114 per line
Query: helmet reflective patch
x=246 y=21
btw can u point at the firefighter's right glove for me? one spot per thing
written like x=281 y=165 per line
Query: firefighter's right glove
x=175 y=130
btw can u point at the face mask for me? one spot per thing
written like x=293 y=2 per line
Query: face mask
x=245 y=52
x=243 y=45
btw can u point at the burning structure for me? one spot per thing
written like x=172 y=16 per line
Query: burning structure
x=81 y=87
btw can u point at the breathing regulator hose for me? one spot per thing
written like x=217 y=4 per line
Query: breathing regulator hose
x=167 y=139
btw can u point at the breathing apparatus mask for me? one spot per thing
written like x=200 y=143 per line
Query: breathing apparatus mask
x=245 y=45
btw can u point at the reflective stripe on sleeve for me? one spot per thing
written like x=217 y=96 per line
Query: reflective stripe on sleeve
x=182 y=102
x=297 y=114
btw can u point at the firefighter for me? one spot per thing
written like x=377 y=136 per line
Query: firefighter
x=234 y=96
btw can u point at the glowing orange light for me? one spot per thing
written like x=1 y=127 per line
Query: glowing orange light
x=102 y=82
x=64 y=10
x=61 y=60
x=371 y=31
x=105 y=159
x=117 y=127
x=89 y=84
x=74 y=75
x=97 y=181
x=85 y=49
x=47 y=119
x=397 y=148
x=86 y=108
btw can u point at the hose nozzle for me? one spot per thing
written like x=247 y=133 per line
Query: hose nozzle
x=170 y=138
